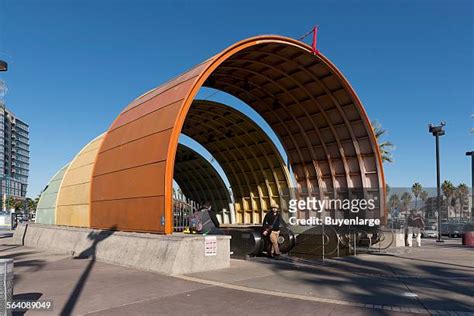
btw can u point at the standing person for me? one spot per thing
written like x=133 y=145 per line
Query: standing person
x=415 y=224
x=419 y=226
x=271 y=230
x=410 y=224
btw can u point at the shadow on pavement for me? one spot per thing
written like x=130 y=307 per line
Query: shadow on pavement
x=382 y=283
x=20 y=260
x=426 y=260
x=89 y=253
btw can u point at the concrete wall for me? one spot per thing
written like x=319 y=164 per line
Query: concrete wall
x=174 y=254
x=46 y=210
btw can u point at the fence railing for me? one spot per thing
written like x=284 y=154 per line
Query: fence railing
x=182 y=209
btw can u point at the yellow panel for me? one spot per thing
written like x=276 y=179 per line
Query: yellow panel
x=78 y=175
x=73 y=203
x=76 y=194
x=86 y=158
x=74 y=215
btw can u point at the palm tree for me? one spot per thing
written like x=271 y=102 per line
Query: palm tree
x=462 y=192
x=416 y=189
x=387 y=190
x=448 y=191
x=424 y=196
x=37 y=200
x=393 y=202
x=406 y=201
x=385 y=147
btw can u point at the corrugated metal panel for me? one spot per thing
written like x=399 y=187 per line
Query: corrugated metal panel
x=73 y=204
x=46 y=210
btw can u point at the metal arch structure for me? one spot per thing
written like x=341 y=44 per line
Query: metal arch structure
x=303 y=97
x=198 y=180
x=255 y=169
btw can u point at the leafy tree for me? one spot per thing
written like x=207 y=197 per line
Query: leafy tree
x=19 y=204
x=385 y=147
x=10 y=203
x=416 y=189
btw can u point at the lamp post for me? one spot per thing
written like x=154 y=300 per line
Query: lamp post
x=471 y=153
x=438 y=131
x=3 y=65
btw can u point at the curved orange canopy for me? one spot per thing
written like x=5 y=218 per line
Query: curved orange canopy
x=305 y=99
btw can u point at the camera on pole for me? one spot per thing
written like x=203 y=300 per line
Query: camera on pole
x=3 y=65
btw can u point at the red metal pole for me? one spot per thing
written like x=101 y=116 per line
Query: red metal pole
x=315 y=39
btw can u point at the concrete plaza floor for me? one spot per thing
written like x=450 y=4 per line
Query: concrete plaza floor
x=434 y=279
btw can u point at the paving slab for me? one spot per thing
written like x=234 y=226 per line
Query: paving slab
x=431 y=278
x=86 y=286
x=363 y=285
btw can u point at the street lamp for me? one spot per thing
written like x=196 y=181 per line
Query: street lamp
x=438 y=131
x=3 y=65
x=471 y=153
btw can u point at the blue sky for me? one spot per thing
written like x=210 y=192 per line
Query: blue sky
x=75 y=64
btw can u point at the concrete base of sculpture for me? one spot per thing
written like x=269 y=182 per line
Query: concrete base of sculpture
x=173 y=254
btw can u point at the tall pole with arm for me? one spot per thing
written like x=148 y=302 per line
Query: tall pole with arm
x=438 y=131
x=471 y=153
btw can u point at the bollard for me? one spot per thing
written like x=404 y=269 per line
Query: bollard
x=6 y=292
x=468 y=239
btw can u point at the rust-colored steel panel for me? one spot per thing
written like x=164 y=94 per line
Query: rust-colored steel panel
x=128 y=214
x=142 y=181
x=298 y=93
x=137 y=153
x=146 y=126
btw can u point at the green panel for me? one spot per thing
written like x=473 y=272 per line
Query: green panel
x=46 y=210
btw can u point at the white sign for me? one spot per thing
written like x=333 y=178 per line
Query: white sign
x=210 y=245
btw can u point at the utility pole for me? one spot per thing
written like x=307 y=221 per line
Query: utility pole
x=471 y=153
x=438 y=131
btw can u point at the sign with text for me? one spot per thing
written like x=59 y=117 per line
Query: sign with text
x=210 y=245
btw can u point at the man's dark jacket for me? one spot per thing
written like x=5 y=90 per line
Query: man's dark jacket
x=273 y=220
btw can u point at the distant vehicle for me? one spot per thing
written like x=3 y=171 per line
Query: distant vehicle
x=429 y=233
x=452 y=230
